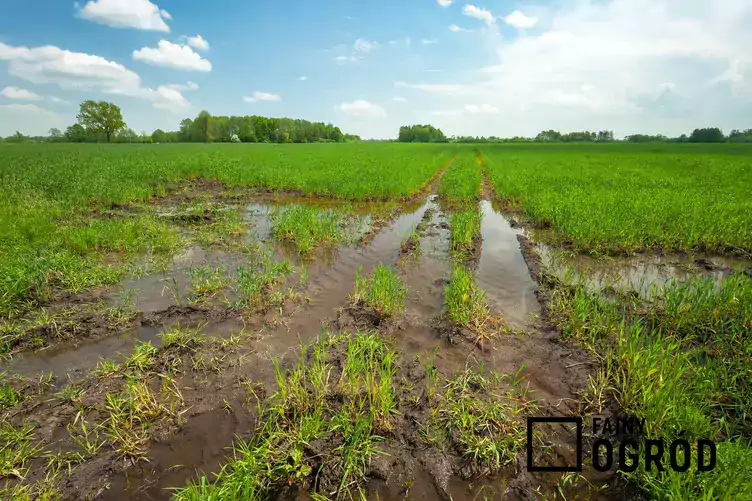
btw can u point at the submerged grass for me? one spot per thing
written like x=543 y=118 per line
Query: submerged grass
x=383 y=291
x=464 y=302
x=683 y=362
x=316 y=403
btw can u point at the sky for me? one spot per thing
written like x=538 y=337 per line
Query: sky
x=476 y=67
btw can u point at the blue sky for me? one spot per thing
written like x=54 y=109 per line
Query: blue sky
x=469 y=67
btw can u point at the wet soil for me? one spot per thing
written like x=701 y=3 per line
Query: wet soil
x=222 y=380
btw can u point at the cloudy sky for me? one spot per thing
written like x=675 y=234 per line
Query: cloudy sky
x=477 y=67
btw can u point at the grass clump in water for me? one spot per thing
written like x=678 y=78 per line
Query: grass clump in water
x=307 y=227
x=464 y=303
x=383 y=291
x=257 y=283
x=317 y=406
x=465 y=231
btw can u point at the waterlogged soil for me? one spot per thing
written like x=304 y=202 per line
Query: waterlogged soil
x=222 y=380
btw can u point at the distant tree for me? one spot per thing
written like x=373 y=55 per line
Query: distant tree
x=420 y=134
x=159 y=136
x=185 y=129
x=75 y=134
x=16 y=138
x=201 y=128
x=738 y=136
x=101 y=118
x=56 y=135
x=127 y=135
x=708 y=135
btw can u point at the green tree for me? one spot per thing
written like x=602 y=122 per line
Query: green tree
x=159 y=136
x=708 y=135
x=101 y=118
x=56 y=135
x=75 y=133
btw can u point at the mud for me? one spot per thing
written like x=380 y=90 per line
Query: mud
x=223 y=379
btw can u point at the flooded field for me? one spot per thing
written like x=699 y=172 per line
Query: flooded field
x=291 y=347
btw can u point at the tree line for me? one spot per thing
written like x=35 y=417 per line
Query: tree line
x=101 y=121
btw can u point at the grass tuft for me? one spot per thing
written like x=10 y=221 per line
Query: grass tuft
x=383 y=291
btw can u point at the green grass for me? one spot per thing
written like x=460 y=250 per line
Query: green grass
x=48 y=194
x=462 y=181
x=464 y=303
x=465 y=231
x=683 y=362
x=484 y=415
x=258 y=283
x=315 y=401
x=383 y=291
x=308 y=227
x=617 y=197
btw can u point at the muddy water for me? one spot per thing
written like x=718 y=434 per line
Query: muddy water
x=502 y=271
x=641 y=273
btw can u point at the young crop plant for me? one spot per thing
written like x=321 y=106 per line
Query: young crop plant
x=302 y=413
x=464 y=303
x=308 y=227
x=461 y=184
x=483 y=415
x=465 y=231
x=679 y=361
x=258 y=282
x=207 y=281
x=383 y=291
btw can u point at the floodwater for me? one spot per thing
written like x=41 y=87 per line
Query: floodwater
x=554 y=373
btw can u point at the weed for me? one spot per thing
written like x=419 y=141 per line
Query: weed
x=182 y=338
x=16 y=449
x=207 y=282
x=142 y=358
x=258 y=282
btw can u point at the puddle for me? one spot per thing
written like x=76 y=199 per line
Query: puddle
x=640 y=273
x=502 y=271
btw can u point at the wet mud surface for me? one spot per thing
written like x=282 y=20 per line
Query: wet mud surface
x=210 y=390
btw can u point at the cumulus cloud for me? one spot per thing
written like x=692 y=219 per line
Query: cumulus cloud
x=171 y=55
x=21 y=94
x=520 y=20
x=262 y=96
x=479 y=13
x=80 y=71
x=183 y=87
x=445 y=3
x=139 y=14
x=361 y=108
x=198 y=42
x=362 y=45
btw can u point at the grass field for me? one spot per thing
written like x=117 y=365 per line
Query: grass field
x=351 y=369
x=613 y=198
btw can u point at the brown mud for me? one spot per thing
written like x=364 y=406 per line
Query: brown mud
x=215 y=385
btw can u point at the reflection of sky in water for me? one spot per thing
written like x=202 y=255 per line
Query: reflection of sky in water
x=639 y=273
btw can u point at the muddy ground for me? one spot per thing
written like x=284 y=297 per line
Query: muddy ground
x=196 y=397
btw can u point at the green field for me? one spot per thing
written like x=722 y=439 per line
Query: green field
x=74 y=217
x=614 y=198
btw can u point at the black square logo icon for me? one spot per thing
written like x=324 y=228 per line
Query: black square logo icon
x=577 y=421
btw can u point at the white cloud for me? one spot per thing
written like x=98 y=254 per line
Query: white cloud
x=445 y=3
x=139 y=14
x=171 y=55
x=169 y=98
x=652 y=66
x=83 y=72
x=362 y=45
x=520 y=20
x=198 y=42
x=361 y=108
x=479 y=13
x=262 y=96
x=57 y=100
x=17 y=93
x=348 y=59
x=398 y=99
x=303 y=78
x=481 y=109
x=458 y=29
x=183 y=87
x=429 y=41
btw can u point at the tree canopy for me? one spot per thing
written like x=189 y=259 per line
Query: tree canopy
x=421 y=134
x=101 y=118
